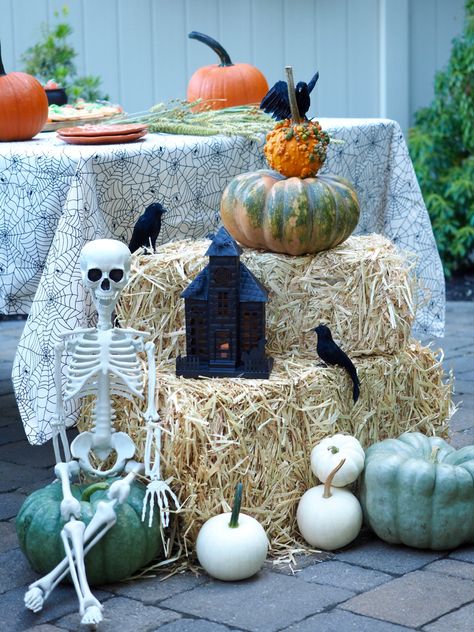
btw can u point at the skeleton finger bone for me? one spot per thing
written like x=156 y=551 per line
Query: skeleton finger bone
x=157 y=492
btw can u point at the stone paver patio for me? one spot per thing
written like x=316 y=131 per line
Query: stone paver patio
x=370 y=586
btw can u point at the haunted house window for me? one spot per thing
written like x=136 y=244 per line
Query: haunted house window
x=250 y=332
x=223 y=276
x=223 y=344
x=197 y=335
x=222 y=303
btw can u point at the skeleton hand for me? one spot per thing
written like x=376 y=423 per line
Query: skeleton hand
x=158 y=491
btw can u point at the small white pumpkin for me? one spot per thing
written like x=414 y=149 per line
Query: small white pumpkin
x=329 y=517
x=232 y=546
x=328 y=453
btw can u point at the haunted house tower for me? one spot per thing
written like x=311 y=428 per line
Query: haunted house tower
x=225 y=318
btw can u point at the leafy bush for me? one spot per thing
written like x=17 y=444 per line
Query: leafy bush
x=53 y=58
x=442 y=149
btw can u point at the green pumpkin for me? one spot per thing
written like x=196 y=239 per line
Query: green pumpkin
x=264 y=209
x=419 y=491
x=129 y=545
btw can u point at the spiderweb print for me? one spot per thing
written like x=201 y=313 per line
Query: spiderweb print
x=56 y=197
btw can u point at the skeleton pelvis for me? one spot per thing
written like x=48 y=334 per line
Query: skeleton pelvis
x=89 y=443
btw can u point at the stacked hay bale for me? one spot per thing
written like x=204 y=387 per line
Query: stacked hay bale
x=260 y=432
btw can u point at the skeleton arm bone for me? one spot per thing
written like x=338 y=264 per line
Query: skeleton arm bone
x=58 y=425
x=151 y=414
x=157 y=490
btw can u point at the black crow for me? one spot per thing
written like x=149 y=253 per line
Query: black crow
x=330 y=353
x=147 y=227
x=277 y=103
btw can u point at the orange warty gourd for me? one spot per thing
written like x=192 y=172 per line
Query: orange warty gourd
x=226 y=84
x=296 y=149
x=23 y=105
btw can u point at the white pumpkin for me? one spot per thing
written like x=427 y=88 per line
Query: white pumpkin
x=232 y=546
x=329 y=517
x=329 y=452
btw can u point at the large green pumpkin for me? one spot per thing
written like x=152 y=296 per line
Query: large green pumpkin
x=264 y=209
x=129 y=545
x=419 y=491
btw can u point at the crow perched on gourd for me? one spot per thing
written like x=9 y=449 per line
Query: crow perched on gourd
x=276 y=101
x=147 y=227
x=331 y=354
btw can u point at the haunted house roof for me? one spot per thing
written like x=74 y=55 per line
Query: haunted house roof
x=250 y=291
x=197 y=288
x=250 y=288
x=223 y=245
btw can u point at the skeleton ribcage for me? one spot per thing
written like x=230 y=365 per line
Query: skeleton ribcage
x=101 y=356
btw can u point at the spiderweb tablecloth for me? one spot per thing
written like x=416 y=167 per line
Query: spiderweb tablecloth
x=54 y=198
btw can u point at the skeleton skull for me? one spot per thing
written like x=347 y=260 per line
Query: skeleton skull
x=105 y=269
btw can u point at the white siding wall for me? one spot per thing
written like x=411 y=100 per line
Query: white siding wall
x=375 y=57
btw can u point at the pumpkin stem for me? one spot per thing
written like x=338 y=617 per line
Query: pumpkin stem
x=216 y=47
x=295 y=113
x=331 y=475
x=334 y=449
x=2 y=68
x=234 y=519
x=87 y=493
x=434 y=454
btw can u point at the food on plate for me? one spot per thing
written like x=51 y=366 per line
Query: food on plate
x=82 y=110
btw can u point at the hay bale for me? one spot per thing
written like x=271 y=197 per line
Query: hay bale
x=221 y=431
x=363 y=289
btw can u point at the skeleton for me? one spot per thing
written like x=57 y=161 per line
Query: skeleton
x=103 y=361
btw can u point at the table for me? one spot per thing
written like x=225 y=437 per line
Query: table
x=55 y=197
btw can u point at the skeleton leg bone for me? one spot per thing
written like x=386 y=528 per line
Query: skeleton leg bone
x=73 y=540
x=103 y=520
x=70 y=506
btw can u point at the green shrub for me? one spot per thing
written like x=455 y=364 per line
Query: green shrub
x=53 y=58
x=442 y=149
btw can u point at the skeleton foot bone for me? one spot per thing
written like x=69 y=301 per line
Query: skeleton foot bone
x=34 y=598
x=92 y=616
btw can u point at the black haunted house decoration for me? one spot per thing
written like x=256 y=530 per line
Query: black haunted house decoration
x=225 y=318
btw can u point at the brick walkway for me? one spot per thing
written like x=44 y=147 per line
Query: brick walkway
x=368 y=587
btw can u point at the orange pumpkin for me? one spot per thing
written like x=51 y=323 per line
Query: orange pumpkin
x=23 y=105
x=296 y=149
x=226 y=84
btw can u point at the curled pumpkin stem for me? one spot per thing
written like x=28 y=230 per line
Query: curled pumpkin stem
x=331 y=475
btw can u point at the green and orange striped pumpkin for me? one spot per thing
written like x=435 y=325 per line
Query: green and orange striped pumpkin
x=266 y=210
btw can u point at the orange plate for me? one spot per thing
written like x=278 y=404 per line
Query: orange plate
x=102 y=140
x=101 y=130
